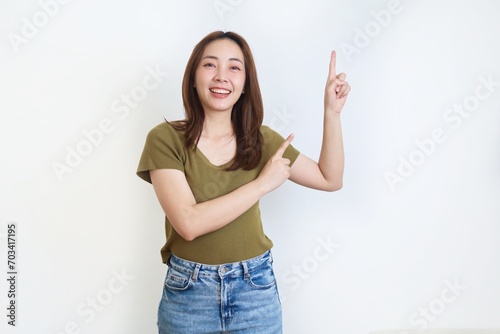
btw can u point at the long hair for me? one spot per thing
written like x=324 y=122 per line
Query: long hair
x=247 y=114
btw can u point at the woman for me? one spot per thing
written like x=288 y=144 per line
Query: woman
x=209 y=172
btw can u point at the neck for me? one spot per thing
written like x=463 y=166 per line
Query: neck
x=217 y=125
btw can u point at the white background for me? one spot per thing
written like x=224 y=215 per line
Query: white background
x=397 y=249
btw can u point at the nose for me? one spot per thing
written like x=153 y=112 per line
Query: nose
x=220 y=76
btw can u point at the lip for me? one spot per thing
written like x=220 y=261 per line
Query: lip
x=220 y=91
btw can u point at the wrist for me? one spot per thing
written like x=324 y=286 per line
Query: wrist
x=331 y=115
x=259 y=187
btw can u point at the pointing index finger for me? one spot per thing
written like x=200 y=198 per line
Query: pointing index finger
x=281 y=150
x=333 y=66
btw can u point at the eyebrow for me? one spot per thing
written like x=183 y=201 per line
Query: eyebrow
x=214 y=57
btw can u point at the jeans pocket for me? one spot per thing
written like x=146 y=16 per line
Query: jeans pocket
x=262 y=278
x=177 y=280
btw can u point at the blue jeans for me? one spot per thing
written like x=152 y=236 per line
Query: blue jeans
x=240 y=297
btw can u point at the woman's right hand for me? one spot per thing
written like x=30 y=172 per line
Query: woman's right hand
x=277 y=169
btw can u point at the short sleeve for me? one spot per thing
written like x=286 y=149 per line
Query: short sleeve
x=164 y=149
x=273 y=140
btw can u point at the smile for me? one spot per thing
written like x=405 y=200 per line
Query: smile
x=219 y=91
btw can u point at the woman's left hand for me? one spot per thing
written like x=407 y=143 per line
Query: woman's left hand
x=336 y=89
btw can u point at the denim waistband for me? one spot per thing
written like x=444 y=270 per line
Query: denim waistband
x=233 y=269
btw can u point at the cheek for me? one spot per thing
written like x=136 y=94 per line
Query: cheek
x=198 y=79
x=200 y=76
x=240 y=83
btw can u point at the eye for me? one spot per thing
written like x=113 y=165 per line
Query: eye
x=209 y=65
x=235 y=68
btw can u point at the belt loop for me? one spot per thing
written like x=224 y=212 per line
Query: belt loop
x=194 y=275
x=246 y=274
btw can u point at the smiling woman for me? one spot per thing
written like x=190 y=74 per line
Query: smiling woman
x=223 y=61
x=209 y=172
x=219 y=82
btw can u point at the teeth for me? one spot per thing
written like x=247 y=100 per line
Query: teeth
x=219 y=91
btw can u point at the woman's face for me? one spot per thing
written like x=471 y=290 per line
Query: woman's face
x=220 y=76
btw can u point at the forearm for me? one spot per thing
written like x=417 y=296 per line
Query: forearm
x=191 y=219
x=206 y=217
x=331 y=160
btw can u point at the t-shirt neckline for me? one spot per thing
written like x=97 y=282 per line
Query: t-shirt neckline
x=208 y=162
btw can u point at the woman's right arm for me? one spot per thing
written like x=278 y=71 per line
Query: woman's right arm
x=191 y=219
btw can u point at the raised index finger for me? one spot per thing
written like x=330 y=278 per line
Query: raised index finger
x=333 y=64
x=283 y=146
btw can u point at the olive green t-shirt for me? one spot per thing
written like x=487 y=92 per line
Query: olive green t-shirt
x=239 y=240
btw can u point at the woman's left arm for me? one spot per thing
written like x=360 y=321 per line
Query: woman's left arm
x=326 y=174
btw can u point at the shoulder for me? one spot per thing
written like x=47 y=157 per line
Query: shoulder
x=269 y=135
x=267 y=132
x=165 y=128
x=166 y=132
x=273 y=140
x=165 y=137
x=164 y=149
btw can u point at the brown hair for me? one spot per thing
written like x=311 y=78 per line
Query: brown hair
x=247 y=114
